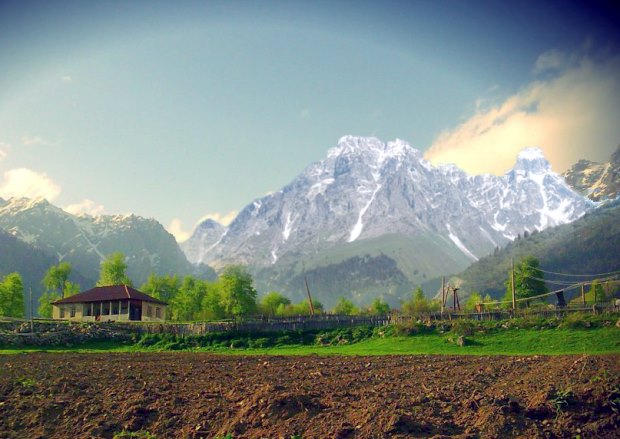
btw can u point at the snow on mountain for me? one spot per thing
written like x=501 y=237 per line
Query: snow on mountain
x=206 y=235
x=365 y=189
x=86 y=240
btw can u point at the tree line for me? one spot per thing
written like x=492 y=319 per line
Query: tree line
x=233 y=295
x=189 y=298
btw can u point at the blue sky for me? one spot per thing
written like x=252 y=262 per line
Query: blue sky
x=181 y=110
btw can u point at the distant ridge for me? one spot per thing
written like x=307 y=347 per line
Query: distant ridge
x=588 y=245
x=41 y=234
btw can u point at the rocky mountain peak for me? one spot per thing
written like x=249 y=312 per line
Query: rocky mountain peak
x=532 y=160
x=598 y=181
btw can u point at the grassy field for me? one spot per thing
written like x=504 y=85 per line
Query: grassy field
x=556 y=341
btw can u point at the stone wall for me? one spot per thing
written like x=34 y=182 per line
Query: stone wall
x=16 y=334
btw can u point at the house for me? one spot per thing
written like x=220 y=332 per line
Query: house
x=114 y=302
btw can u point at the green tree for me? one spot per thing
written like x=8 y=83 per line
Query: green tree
x=597 y=292
x=113 y=271
x=187 y=303
x=12 y=296
x=56 y=280
x=238 y=292
x=162 y=287
x=57 y=286
x=272 y=300
x=345 y=307
x=379 y=307
x=417 y=304
x=488 y=299
x=45 y=303
x=212 y=307
x=474 y=299
x=528 y=280
x=303 y=308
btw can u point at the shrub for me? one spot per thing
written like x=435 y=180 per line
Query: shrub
x=463 y=327
x=577 y=320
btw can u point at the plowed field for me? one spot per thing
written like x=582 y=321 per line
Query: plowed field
x=202 y=396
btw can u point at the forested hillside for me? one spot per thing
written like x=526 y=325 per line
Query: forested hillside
x=588 y=245
x=31 y=263
x=360 y=278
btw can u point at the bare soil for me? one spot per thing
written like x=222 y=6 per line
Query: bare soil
x=193 y=395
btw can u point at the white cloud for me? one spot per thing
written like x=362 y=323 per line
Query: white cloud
x=571 y=115
x=176 y=228
x=551 y=60
x=4 y=148
x=23 y=182
x=35 y=141
x=85 y=206
x=222 y=218
x=67 y=79
x=304 y=113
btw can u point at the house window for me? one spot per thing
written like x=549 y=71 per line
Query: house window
x=158 y=312
x=106 y=308
x=62 y=312
x=149 y=311
x=114 y=308
x=124 y=307
x=72 y=313
x=86 y=311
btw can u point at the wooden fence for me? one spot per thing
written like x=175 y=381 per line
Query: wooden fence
x=323 y=321
x=305 y=323
x=503 y=314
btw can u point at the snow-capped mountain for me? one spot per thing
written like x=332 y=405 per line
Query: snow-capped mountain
x=374 y=198
x=204 y=237
x=85 y=240
x=599 y=181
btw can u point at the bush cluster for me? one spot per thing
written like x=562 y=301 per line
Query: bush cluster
x=260 y=340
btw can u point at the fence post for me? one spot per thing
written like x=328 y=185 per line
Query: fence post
x=512 y=275
x=583 y=295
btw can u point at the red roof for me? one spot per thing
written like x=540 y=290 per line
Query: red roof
x=112 y=292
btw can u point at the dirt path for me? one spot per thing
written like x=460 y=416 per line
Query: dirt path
x=203 y=396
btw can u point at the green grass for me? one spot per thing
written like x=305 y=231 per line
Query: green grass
x=91 y=347
x=556 y=341
x=509 y=342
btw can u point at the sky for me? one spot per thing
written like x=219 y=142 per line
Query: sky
x=192 y=109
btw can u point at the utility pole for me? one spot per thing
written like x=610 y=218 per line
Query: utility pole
x=453 y=298
x=443 y=293
x=31 y=311
x=309 y=296
x=512 y=275
x=456 y=296
x=583 y=295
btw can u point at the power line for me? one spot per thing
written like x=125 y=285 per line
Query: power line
x=549 y=293
x=575 y=275
x=567 y=282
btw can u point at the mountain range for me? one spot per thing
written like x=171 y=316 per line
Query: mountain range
x=371 y=218
x=376 y=218
x=36 y=234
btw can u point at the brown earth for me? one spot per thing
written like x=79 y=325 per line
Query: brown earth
x=203 y=396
